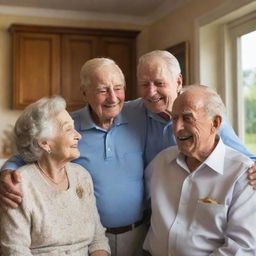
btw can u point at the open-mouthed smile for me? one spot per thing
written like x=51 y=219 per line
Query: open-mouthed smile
x=182 y=138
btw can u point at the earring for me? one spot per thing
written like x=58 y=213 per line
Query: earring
x=49 y=151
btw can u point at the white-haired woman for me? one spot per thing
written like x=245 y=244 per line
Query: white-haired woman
x=58 y=215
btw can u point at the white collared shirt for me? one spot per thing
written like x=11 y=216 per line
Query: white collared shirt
x=182 y=224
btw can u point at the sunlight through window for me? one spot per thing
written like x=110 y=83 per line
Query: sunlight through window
x=248 y=57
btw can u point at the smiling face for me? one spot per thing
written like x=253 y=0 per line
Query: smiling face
x=105 y=95
x=158 y=87
x=64 y=143
x=195 y=132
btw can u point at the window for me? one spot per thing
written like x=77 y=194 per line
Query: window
x=221 y=49
x=248 y=89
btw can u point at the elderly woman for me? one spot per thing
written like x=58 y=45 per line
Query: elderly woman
x=58 y=215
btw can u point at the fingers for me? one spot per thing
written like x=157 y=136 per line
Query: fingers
x=10 y=189
x=16 y=177
x=252 y=176
x=6 y=203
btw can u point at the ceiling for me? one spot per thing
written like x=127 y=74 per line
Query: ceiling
x=138 y=9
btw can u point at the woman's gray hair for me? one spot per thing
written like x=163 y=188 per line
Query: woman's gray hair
x=171 y=61
x=213 y=104
x=36 y=123
x=92 y=65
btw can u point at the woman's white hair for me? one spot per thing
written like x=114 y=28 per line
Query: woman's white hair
x=170 y=60
x=36 y=123
x=213 y=104
x=92 y=65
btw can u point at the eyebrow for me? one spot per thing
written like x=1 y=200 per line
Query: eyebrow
x=107 y=86
x=66 y=123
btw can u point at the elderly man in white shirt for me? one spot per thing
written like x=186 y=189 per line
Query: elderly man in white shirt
x=200 y=197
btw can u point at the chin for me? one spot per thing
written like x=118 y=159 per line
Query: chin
x=74 y=156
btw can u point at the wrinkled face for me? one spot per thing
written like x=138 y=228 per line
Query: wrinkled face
x=106 y=93
x=64 y=142
x=157 y=85
x=194 y=131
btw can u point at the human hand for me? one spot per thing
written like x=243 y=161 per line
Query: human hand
x=100 y=253
x=252 y=176
x=10 y=191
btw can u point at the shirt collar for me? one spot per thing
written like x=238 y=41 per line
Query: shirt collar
x=214 y=161
x=157 y=117
x=87 y=122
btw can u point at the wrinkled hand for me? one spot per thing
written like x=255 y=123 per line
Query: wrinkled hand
x=100 y=253
x=252 y=176
x=10 y=190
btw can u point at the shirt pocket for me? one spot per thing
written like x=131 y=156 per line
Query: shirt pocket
x=209 y=218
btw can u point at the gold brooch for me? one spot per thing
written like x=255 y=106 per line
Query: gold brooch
x=79 y=191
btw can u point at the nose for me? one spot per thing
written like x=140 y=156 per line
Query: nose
x=112 y=98
x=77 y=135
x=178 y=125
x=151 y=89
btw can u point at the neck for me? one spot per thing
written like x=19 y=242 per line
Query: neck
x=165 y=116
x=51 y=167
x=193 y=161
x=106 y=124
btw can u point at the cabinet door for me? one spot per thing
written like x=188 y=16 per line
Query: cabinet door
x=36 y=67
x=76 y=50
x=122 y=51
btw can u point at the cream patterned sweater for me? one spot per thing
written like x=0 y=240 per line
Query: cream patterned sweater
x=52 y=222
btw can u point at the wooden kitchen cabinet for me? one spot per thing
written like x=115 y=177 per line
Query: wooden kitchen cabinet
x=47 y=60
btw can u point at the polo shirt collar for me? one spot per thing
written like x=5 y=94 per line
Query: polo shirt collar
x=87 y=122
x=157 y=117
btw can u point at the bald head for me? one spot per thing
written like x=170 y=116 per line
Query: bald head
x=205 y=97
x=197 y=115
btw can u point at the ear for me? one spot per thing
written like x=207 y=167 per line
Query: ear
x=43 y=144
x=216 y=123
x=179 y=83
x=84 y=93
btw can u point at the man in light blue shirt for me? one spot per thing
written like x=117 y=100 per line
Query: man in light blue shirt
x=201 y=201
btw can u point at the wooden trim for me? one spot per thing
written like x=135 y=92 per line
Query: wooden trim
x=181 y=52
x=72 y=30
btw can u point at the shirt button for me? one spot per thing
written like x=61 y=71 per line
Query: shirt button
x=109 y=149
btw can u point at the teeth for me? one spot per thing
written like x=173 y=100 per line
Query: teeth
x=185 y=138
x=155 y=100
x=110 y=106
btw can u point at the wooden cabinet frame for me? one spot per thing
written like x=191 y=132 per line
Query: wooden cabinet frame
x=47 y=60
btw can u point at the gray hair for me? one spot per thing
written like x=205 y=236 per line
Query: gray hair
x=95 y=64
x=170 y=60
x=36 y=123
x=212 y=102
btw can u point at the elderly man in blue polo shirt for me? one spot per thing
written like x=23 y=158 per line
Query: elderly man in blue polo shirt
x=160 y=81
x=112 y=145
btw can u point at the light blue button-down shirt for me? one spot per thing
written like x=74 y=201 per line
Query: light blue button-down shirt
x=182 y=224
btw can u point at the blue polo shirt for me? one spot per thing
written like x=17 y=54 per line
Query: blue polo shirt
x=114 y=159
